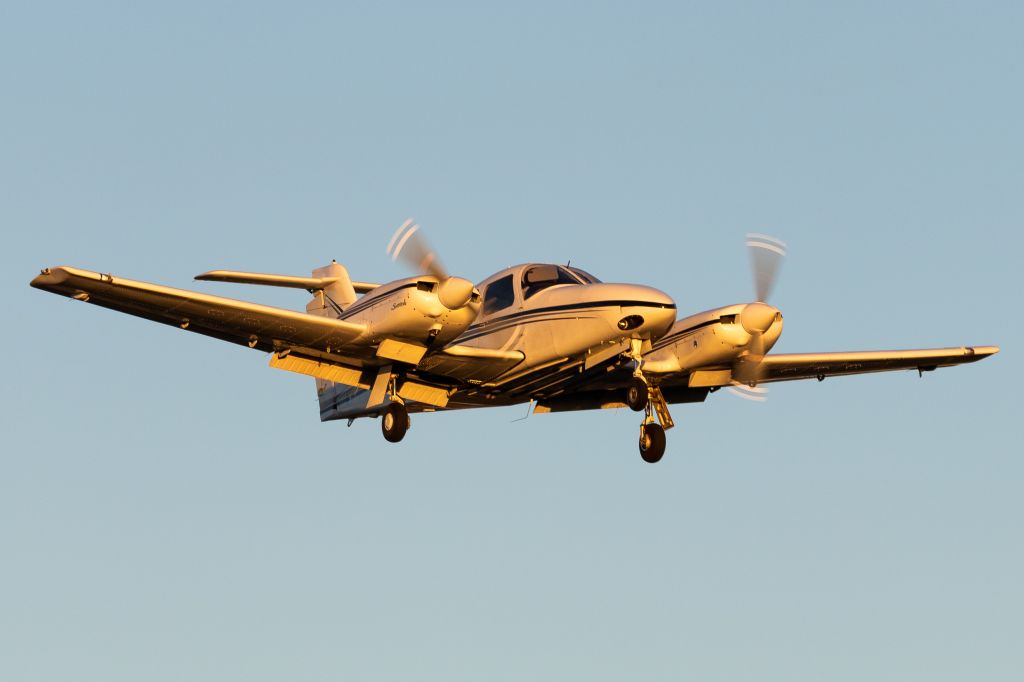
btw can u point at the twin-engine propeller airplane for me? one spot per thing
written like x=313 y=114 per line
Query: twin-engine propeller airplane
x=547 y=334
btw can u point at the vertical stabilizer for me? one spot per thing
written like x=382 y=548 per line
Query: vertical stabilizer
x=335 y=297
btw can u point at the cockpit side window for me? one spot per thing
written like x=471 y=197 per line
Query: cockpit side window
x=540 y=277
x=499 y=295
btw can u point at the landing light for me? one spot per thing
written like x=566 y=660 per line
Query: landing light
x=630 y=322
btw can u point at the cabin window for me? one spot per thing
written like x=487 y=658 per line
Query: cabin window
x=499 y=295
x=540 y=277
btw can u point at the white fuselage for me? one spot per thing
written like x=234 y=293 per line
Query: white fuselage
x=531 y=328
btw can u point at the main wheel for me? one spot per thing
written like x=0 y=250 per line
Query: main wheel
x=394 y=422
x=636 y=394
x=652 y=443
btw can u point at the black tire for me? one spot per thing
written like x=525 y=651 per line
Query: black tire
x=636 y=394
x=394 y=422
x=652 y=443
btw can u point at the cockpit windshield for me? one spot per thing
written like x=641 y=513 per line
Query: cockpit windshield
x=539 y=277
x=585 y=276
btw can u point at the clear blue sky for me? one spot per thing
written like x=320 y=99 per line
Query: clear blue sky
x=172 y=509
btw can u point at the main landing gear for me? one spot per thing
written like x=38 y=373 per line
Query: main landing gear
x=637 y=394
x=394 y=418
x=642 y=397
x=394 y=422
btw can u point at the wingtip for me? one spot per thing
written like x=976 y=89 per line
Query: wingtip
x=49 y=277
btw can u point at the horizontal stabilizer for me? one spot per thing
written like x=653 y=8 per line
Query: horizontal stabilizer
x=310 y=283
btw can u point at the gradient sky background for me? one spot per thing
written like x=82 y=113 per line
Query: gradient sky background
x=172 y=509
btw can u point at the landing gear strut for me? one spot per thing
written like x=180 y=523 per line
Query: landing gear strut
x=394 y=422
x=637 y=389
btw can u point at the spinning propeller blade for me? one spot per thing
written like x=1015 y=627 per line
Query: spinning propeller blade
x=409 y=244
x=756 y=393
x=766 y=254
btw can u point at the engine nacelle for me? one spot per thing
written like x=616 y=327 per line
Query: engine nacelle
x=412 y=310
x=714 y=338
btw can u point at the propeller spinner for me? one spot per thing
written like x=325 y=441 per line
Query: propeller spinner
x=409 y=244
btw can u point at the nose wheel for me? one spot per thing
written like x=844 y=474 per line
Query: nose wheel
x=652 y=433
x=652 y=442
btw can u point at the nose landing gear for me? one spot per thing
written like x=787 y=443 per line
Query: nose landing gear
x=652 y=434
x=643 y=397
x=652 y=442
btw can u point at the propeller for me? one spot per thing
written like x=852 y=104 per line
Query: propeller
x=409 y=244
x=766 y=254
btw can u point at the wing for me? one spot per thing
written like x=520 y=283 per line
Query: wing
x=257 y=326
x=791 y=366
x=604 y=386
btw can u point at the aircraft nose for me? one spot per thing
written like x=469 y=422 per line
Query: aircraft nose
x=647 y=311
x=659 y=298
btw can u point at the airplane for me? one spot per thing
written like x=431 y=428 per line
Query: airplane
x=550 y=335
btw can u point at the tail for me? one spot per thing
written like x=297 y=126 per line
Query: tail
x=333 y=292
x=336 y=400
x=335 y=297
